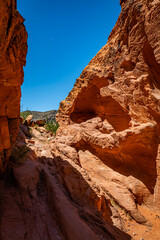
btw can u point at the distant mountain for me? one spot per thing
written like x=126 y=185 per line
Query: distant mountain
x=50 y=115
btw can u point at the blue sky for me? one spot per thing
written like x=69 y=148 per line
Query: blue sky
x=63 y=36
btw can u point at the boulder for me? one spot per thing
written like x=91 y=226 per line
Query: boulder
x=28 y=120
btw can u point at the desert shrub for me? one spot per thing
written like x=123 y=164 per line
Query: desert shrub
x=115 y=204
x=51 y=126
x=24 y=113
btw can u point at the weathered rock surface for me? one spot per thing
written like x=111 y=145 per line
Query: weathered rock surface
x=109 y=124
x=35 y=205
x=13 y=49
x=38 y=202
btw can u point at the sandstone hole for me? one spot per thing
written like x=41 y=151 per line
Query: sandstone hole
x=91 y=104
x=128 y=65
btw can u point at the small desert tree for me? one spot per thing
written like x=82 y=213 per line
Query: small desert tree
x=51 y=126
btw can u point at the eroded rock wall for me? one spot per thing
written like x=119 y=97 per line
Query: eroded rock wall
x=13 y=49
x=109 y=123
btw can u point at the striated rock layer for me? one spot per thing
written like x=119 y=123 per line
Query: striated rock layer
x=107 y=147
x=13 y=49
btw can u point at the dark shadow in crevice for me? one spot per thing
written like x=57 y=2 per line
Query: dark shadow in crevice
x=153 y=65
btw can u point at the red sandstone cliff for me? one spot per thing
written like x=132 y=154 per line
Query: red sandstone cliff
x=109 y=123
x=13 y=49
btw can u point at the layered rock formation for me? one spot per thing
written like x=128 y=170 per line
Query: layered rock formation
x=13 y=49
x=107 y=146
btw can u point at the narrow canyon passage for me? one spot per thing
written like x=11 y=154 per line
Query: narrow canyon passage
x=93 y=170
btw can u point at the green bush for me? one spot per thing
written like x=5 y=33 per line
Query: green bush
x=51 y=126
x=25 y=113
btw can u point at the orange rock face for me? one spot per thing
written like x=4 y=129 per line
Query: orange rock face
x=13 y=49
x=110 y=122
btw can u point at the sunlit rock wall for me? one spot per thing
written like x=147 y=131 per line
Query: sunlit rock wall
x=110 y=121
